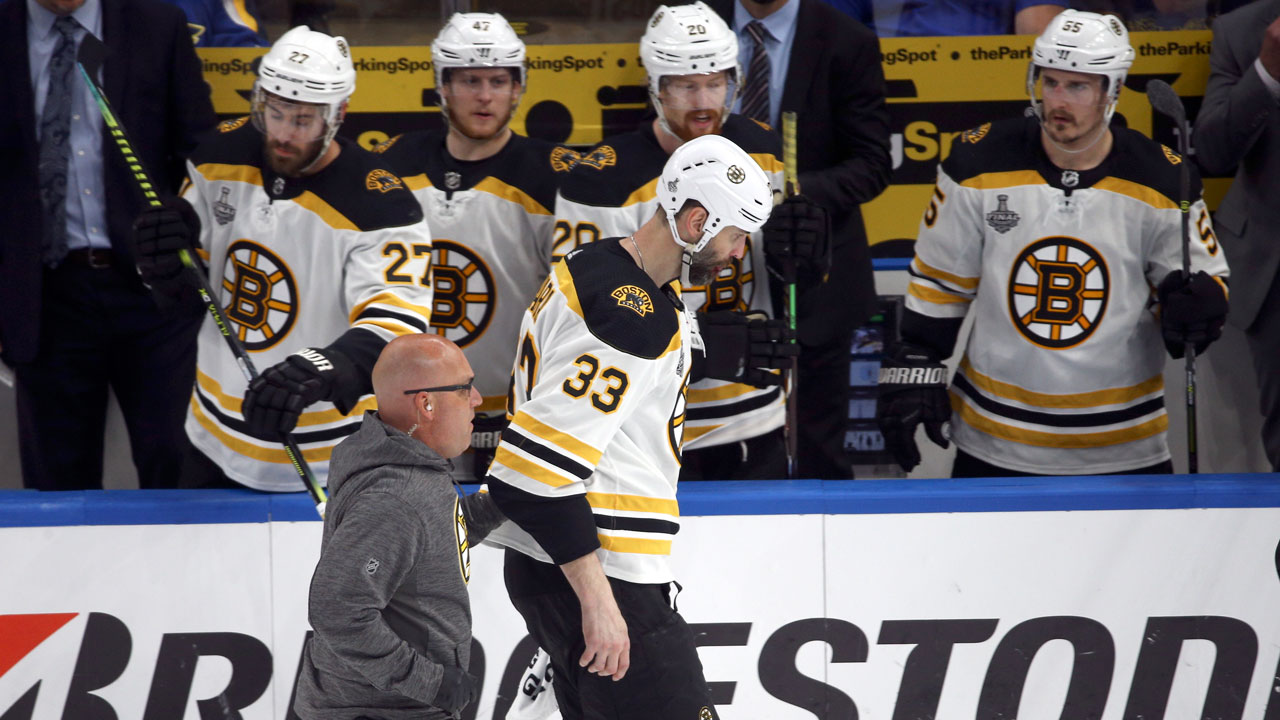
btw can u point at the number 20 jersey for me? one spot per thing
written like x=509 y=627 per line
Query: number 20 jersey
x=295 y=263
x=597 y=407
x=1063 y=372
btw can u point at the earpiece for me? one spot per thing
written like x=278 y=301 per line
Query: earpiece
x=428 y=407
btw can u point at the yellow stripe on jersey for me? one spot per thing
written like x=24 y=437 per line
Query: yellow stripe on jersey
x=564 y=283
x=724 y=392
x=1226 y=291
x=389 y=298
x=1072 y=441
x=635 y=545
x=633 y=503
x=325 y=211
x=997 y=180
x=642 y=194
x=556 y=438
x=212 y=388
x=416 y=182
x=933 y=295
x=529 y=469
x=252 y=175
x=693 y=433
x=965 y=283
x=391 y=325
x=1096 y=398
x=264 y=454
x=1138 y=192
x=768 y=162
x=512 y=194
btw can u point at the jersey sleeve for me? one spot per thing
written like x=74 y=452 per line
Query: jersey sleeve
x=948 y=261
x=192 y=192
x=582 y=391
x=387 y=280
x=1205 y=253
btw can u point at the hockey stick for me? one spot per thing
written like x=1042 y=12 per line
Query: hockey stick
x=791 y=188
x=1166 y=102
x=89 y=59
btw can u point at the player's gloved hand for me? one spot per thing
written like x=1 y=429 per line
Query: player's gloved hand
x=278 y=396
x=797 y=237
x=1192 y=310
x=742 y=347
x=913 y=390
x=486 y=433
x=457 y=690
x=159 y=233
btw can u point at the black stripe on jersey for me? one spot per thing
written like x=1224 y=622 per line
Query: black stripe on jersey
x=937 y=283
x=412 y=321
x=631 y=524
x=716 y=412
x=545 y=454
x=302 y=438
x=1084 y=420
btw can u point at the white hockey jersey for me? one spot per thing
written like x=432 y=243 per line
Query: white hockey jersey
x=1063 y=373
x=295 y=263
x=598 y=408
x=611 y=192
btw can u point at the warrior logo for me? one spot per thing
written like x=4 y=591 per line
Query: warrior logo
x=1002 y=219
x=464 y=547
x=227 y=126
x=382 y=181
x=464 y=294
x=263 y=297
x=563 y=159
x=634 y=298
x=735 y=174
x=223 y=211
x=1058 y=292
x=600 y=158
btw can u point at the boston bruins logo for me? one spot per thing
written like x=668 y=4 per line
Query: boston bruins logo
x=633 y=298
x=263 y=298
x=464 y=293
x=464 y=547
x=1058 y=291
x=382 y=181
x=676 y=426
x=227 y=126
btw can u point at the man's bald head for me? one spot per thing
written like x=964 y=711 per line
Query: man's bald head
x=425 y=361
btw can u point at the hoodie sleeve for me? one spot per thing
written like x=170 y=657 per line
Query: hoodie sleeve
x=370 y=554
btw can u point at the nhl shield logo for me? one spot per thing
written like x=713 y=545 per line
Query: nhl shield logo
x=1002 y=219
x=223 y=211
x=1070 y=178
x=633 y=298
x=452 y=180
x=371 y=567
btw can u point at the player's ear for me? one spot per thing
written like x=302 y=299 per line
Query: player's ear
x=697 y=219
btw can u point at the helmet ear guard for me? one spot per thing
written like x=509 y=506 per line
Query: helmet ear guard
x=1083 y=42
x=688 y=40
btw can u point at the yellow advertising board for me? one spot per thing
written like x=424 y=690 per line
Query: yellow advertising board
x=577 y=94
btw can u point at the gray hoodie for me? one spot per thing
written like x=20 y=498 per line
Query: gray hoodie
x=389 y=600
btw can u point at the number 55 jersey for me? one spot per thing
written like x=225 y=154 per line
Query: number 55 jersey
x=297 y=263
x=1063 y=372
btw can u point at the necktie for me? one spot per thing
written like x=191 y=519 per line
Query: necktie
x=55 y=142
x=755 y=97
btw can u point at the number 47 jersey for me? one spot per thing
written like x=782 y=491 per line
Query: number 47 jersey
x=1063 y=372
x=597 y=407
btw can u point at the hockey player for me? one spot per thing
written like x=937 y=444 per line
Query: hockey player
x=487 y=193
x=737 y=412
x=1062 y=231
x=587 y=469
x=318 y=254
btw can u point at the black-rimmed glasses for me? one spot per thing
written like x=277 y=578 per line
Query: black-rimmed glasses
x=444 y=388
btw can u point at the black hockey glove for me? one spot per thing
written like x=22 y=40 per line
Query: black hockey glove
x=740 y=346
x=159 y=233
x=1191 y=311
x=486 y=433
x=457 y=690
x=797 y=238
x=278 y=396
x=913 y=390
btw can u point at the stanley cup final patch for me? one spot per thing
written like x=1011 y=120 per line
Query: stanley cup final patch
x=1002 y=219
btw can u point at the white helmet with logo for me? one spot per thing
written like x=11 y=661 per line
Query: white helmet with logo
x=306 y=66
x=1083 y=42
x=724 y=179
x=477 y=40
x=688 y=40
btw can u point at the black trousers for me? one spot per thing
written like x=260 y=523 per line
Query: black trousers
x=1264 y=345
x=823 y=410
x=665 y=679
x=758 y=458
x=968 y=466
x=98 y=330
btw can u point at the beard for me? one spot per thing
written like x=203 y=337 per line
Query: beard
x=291 y=166
x=484 y=130
x=706 y=266
x=683 y=125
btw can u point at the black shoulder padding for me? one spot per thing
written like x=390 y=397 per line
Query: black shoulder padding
x=621 y=305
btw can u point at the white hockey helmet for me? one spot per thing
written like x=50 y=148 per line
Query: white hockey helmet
x=305 y=66
x=688 y=40
x=721 y=177
x=477 y=40
x=1083 y=42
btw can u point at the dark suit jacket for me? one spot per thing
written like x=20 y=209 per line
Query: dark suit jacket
x=835 y=85
x=1238 y=128
x=153 y=80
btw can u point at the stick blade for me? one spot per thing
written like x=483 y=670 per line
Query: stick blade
x=1165 y=101
x=91 y=54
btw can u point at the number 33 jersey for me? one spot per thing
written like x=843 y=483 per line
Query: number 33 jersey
x=597 y=407
x=295 y=263
x=1063 y=372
